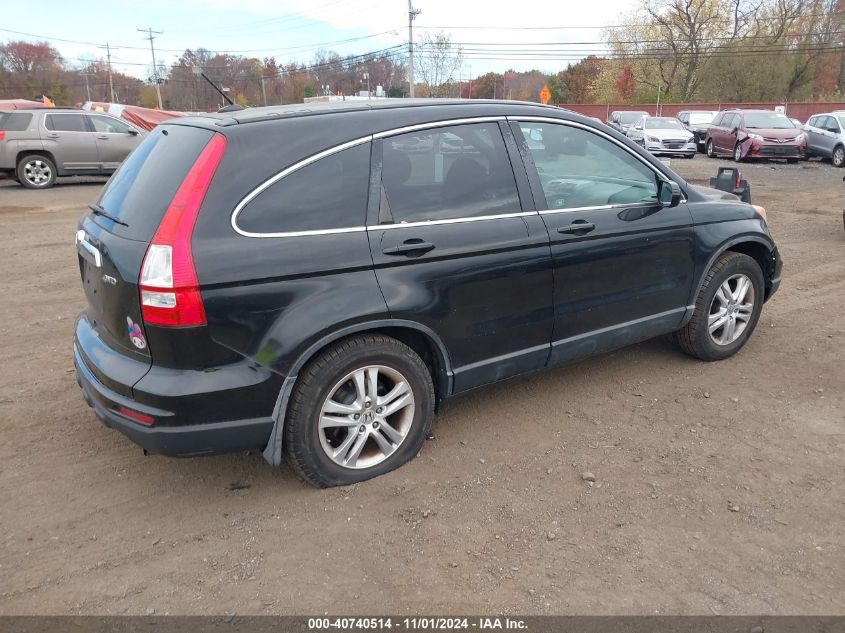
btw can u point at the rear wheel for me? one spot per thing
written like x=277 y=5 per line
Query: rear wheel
x=36 y=171
x=727 y=309
x=838 y=157
x=708 y=149
x=361 y=409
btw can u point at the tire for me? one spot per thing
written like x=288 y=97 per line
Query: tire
x=695 y=337
x=36 y=171
x=708 y=149
x=689 y=156
x=792 y=161
x=738 y=158
x=326 y=390
x=838 y=156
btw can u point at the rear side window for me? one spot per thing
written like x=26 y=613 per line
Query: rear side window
x=451 y=172
x=66 y=123
x=141 y=190
x=15 y=121
x=330 y=193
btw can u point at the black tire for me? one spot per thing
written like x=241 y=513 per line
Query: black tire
x=738 y=157
x=792 y=161
x=708 y=149
x=694 y=338
x=305 y=452
x=45 y=166
x=838 y=156
x=689 y=156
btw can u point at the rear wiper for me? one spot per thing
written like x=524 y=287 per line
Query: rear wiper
x=96 y=209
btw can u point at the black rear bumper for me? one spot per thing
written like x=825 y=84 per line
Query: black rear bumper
x=169 y=438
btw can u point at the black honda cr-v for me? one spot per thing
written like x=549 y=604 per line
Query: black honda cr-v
x=313 y=281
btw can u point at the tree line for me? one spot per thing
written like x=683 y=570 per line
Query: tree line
x=674 y=50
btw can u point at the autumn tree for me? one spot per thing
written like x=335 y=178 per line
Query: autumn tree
x=626 y=85
x=438 y=61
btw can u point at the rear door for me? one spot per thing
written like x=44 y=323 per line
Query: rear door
x=814 y=134
x=70 y=140
x=623 y=264
x=115 y=139
x=721 y=133
x=829 y=136
x=112 y=241
x=458 y=248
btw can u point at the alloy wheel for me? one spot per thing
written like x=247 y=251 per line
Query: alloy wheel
x=37 y=172
x=839 y=157
x=738 y=153
x=731 y=309
x=366 y=416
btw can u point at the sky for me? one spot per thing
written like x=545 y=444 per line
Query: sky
x=542 y=34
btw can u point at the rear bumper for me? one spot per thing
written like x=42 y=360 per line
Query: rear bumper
x=174 y=430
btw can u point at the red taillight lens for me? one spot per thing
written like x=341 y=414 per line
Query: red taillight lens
x=170 y=293
x=137 y=416
x=2 y=135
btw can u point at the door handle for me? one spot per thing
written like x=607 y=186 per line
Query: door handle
x=103 y=137
x=578 y=227
x=53 y=135
x=414 y=246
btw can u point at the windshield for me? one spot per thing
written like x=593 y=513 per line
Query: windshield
x=768 y=121
x=700 y=117
x=663 y=123
x=627 y=118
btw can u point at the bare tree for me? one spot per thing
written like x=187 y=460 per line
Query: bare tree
x=437 y=62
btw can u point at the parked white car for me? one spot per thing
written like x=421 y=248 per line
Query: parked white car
x=663 y=135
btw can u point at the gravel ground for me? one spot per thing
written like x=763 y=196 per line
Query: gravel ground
x=718 y=487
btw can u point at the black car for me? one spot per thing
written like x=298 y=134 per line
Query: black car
x=314 y=281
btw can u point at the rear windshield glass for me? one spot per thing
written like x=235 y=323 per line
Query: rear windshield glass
x=767 y=121
x=700 y=117
x=663 y=123
x=140 y=191
x=630 y=117
x=14 y=121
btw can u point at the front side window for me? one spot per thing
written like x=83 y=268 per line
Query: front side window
x=578 y=168
x=108 y=125
x=66 y=123
x=330 y=193
x=451 y=172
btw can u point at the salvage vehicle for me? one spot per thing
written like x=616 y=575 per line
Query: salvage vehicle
x=825 y=137
x=39 y=145
x=697 y=122
x=311 y=283
x=663 y=136
x=744 y=134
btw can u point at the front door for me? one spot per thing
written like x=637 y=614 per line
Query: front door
x=71 y=141
x=115 y=139
x=458 y=248
x=623 y=263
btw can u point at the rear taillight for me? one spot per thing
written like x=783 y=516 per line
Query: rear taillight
x=2 y=135
x=170 y=294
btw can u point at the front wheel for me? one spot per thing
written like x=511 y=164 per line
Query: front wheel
x=361 y=409
x=708 y=149
x=727 y=309
x=738 y=153
x=838 y=157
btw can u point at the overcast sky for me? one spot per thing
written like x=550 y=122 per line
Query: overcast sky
x=496 y=35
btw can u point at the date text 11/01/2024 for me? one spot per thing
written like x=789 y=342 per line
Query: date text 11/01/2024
x=424 y=623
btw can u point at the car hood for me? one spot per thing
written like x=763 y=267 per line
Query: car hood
x=774 y=133
x=662 y=134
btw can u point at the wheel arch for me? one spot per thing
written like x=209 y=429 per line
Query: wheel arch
x=420 y=338
x=757 y=247
x=35 y=152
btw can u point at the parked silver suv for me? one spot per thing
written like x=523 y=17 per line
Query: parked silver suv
x=38 y=145
x=826 y=138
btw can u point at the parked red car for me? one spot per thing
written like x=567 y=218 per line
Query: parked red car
x=746 y=134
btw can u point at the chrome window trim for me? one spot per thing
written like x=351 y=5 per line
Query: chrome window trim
x=285 y=172
x=338 y=148
x=478 y=218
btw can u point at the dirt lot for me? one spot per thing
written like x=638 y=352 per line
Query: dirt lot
x=494 y=515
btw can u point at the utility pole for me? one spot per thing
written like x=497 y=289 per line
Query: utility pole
x=111 y=84
x=87 y=88
x=149 y=31
x=263 y=89
x=412 y=14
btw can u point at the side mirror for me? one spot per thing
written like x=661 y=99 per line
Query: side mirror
x=735 y=130
x=132 y=132
x=638 y=127
x=669 y=193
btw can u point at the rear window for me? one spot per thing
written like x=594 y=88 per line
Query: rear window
x=140 y=191
x=330 y=193
x=15 y=121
